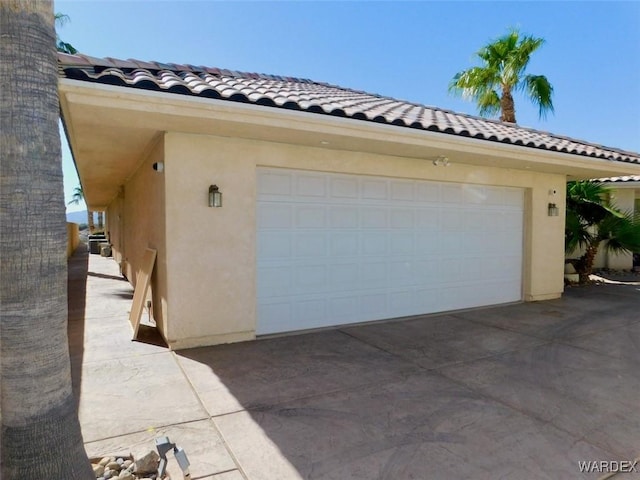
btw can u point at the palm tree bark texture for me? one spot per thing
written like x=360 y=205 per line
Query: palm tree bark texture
x=41 y=435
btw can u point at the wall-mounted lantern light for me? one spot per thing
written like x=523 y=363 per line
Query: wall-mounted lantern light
x=215 y=196
x=553 y=210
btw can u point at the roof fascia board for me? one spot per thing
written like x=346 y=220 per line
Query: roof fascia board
x=149 y=101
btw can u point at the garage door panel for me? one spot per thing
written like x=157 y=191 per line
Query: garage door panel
x=310 y=216
x=345 y=309
x=451 y=193
x=275 y=184
x=427 y=192
x=313 y=312
x=335 y=249
x=474 y=220
x=427 y=271
x=344 y=217
x=373 y=275
x=401 y=243
x=401 y=273
x=402 y=218
x=310 y=244
x=344 y=244
x=374 y=244
x=274 y=280
x=403 y=190
x=310 y=279
x=372 y=305
x=343 y=187
x=427 y=218
x=453 y=220
x=427 y=242
x=344 y=275
x=310 y=186
x=474 y=194
x=373 y=217
x=450 y=243
x=278 y=316
x=374 y=189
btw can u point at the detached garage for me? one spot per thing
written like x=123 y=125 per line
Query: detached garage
x=337 y=207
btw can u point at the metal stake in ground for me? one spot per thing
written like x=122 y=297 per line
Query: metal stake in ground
x=164 y=445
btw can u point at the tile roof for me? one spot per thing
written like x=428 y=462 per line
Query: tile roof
x=316 y=97
x=626 y=178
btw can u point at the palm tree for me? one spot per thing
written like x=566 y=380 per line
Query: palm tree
x=591 y=221
x=76 y=198
x=491 y=86
x=41 y=435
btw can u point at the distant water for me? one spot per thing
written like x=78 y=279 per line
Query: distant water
x=77 y=217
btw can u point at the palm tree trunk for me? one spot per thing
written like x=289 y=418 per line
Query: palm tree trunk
x=40 y=430
x=584 y=266
x=507 y=106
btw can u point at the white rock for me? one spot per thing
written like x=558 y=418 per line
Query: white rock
x=98 y=470
x=148 y=463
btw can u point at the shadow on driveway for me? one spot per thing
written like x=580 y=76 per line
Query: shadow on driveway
x=522 y=391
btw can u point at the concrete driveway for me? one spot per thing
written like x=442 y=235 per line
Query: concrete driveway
x=525 y=391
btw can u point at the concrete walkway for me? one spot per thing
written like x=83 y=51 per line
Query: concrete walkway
x=522 y=391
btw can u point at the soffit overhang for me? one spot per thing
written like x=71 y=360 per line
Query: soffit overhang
x=111 y=130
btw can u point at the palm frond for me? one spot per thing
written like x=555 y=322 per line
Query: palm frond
x=622 y=233
x=60 y=20
x=522 y=54
x=77 y=196
x=590 y=200
x=540 y=91
x=468 y=82
x=488 y=103
x=576 y=232
x=65 y=47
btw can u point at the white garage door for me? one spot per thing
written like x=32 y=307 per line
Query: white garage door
x=336 y=249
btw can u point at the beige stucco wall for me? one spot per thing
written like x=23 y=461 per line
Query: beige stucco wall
x=210 y=252
x=137 y=222
x=73 y=238
x=624 y=199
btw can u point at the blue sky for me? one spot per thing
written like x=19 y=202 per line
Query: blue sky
x=406 y=50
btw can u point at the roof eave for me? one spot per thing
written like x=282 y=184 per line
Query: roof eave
x=165 y=112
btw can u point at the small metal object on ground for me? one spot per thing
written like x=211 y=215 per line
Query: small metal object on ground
x=164 y=445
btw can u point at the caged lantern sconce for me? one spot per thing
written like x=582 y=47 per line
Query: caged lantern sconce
x=215 y=196
x=552 y=210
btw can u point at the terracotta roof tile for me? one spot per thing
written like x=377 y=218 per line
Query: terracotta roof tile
x=626 y=178
x=320 y=98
